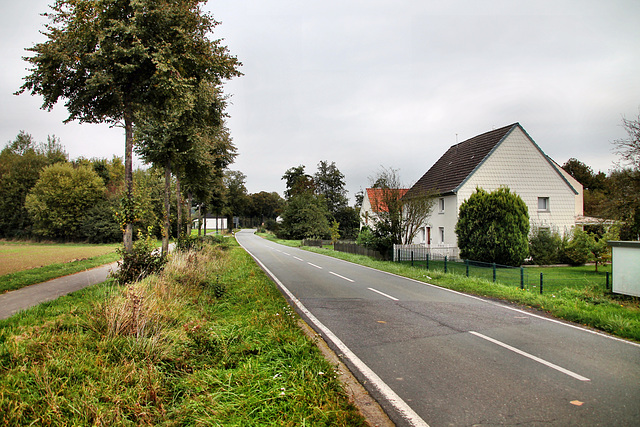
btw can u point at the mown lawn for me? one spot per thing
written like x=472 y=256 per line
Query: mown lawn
x=210 y=341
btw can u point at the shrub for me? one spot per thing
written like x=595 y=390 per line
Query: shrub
x=143 y=260
x=545 y=247
x=576 y=247
x=494 y=227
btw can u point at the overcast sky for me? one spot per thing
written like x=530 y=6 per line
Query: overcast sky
x=393 y=83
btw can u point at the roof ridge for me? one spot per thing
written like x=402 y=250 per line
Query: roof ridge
x=460 y=160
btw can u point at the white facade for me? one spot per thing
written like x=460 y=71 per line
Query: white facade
x=554 y=199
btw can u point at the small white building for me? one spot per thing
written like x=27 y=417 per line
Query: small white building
x=505 y=157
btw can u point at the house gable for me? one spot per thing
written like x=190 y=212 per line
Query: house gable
x=448 y=173
x=519 y=164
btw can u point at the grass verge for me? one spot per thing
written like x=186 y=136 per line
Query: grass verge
x=210 y=341
x=588 y=305
x=20 y=279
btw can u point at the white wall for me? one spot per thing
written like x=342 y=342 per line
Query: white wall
x=519 y=165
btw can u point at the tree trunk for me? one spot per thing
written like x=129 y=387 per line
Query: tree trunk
x=179 y=204
x=167 y=208
x=128 y=179
x=189 y=207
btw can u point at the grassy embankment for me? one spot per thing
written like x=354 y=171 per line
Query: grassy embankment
x=586 y=304
x=26 y=263
x=210 y=341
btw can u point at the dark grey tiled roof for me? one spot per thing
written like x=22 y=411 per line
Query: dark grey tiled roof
x=459 y=162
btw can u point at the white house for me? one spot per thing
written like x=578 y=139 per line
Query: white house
x=373 y=203
x=505 y=157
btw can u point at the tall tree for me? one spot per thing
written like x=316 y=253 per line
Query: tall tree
x=329 y=182
x=298 y=182
x=237 y=197
x=107 y=58
x=265 y=205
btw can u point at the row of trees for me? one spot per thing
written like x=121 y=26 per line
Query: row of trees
x=151 y=67
x=45 y=195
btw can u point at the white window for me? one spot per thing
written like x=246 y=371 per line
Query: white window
x=441 y=229
x=543 y=203
x=441 y=205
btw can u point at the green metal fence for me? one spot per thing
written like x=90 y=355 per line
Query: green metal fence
x=534 y=279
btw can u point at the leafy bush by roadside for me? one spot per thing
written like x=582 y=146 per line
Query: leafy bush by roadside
x=145 y=259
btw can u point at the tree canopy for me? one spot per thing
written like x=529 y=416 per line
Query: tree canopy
x=108 y=58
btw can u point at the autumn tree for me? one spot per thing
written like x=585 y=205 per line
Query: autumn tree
x=108 y=58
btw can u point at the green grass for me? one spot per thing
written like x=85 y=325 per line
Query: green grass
x=587 y=304
x=554 y=278
x=210 y=341
x=20 y=279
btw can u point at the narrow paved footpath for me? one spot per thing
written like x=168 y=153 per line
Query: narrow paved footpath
x=435 y=357
x=21 y=299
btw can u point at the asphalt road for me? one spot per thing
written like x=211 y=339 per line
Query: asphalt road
x=432 y=356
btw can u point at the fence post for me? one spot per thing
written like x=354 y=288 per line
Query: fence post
x=494 y=272
x=445 y=263
x=541 y=283
x=411 y=258
x=466 y=261
x=522 y=278
x=427 y=261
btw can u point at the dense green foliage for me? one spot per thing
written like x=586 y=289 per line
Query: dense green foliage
x=21 y=163
x=305 y=217
x=545 y=247
x=493 y=227
x=60 y=200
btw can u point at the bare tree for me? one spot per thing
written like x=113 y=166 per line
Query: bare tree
x=415 y=212
x=629 y=148
x=397 y=215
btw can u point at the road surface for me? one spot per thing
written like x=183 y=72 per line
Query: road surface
x=432 y=356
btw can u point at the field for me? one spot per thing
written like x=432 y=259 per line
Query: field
x=18 y=256
x=23 y=264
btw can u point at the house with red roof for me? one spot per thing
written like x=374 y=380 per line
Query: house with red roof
x=505 y=157
x=374 y=202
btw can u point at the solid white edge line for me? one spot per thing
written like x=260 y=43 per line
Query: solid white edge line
x=383 y=294
x=396 y=401
x=342 y=277
x=531 y=356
